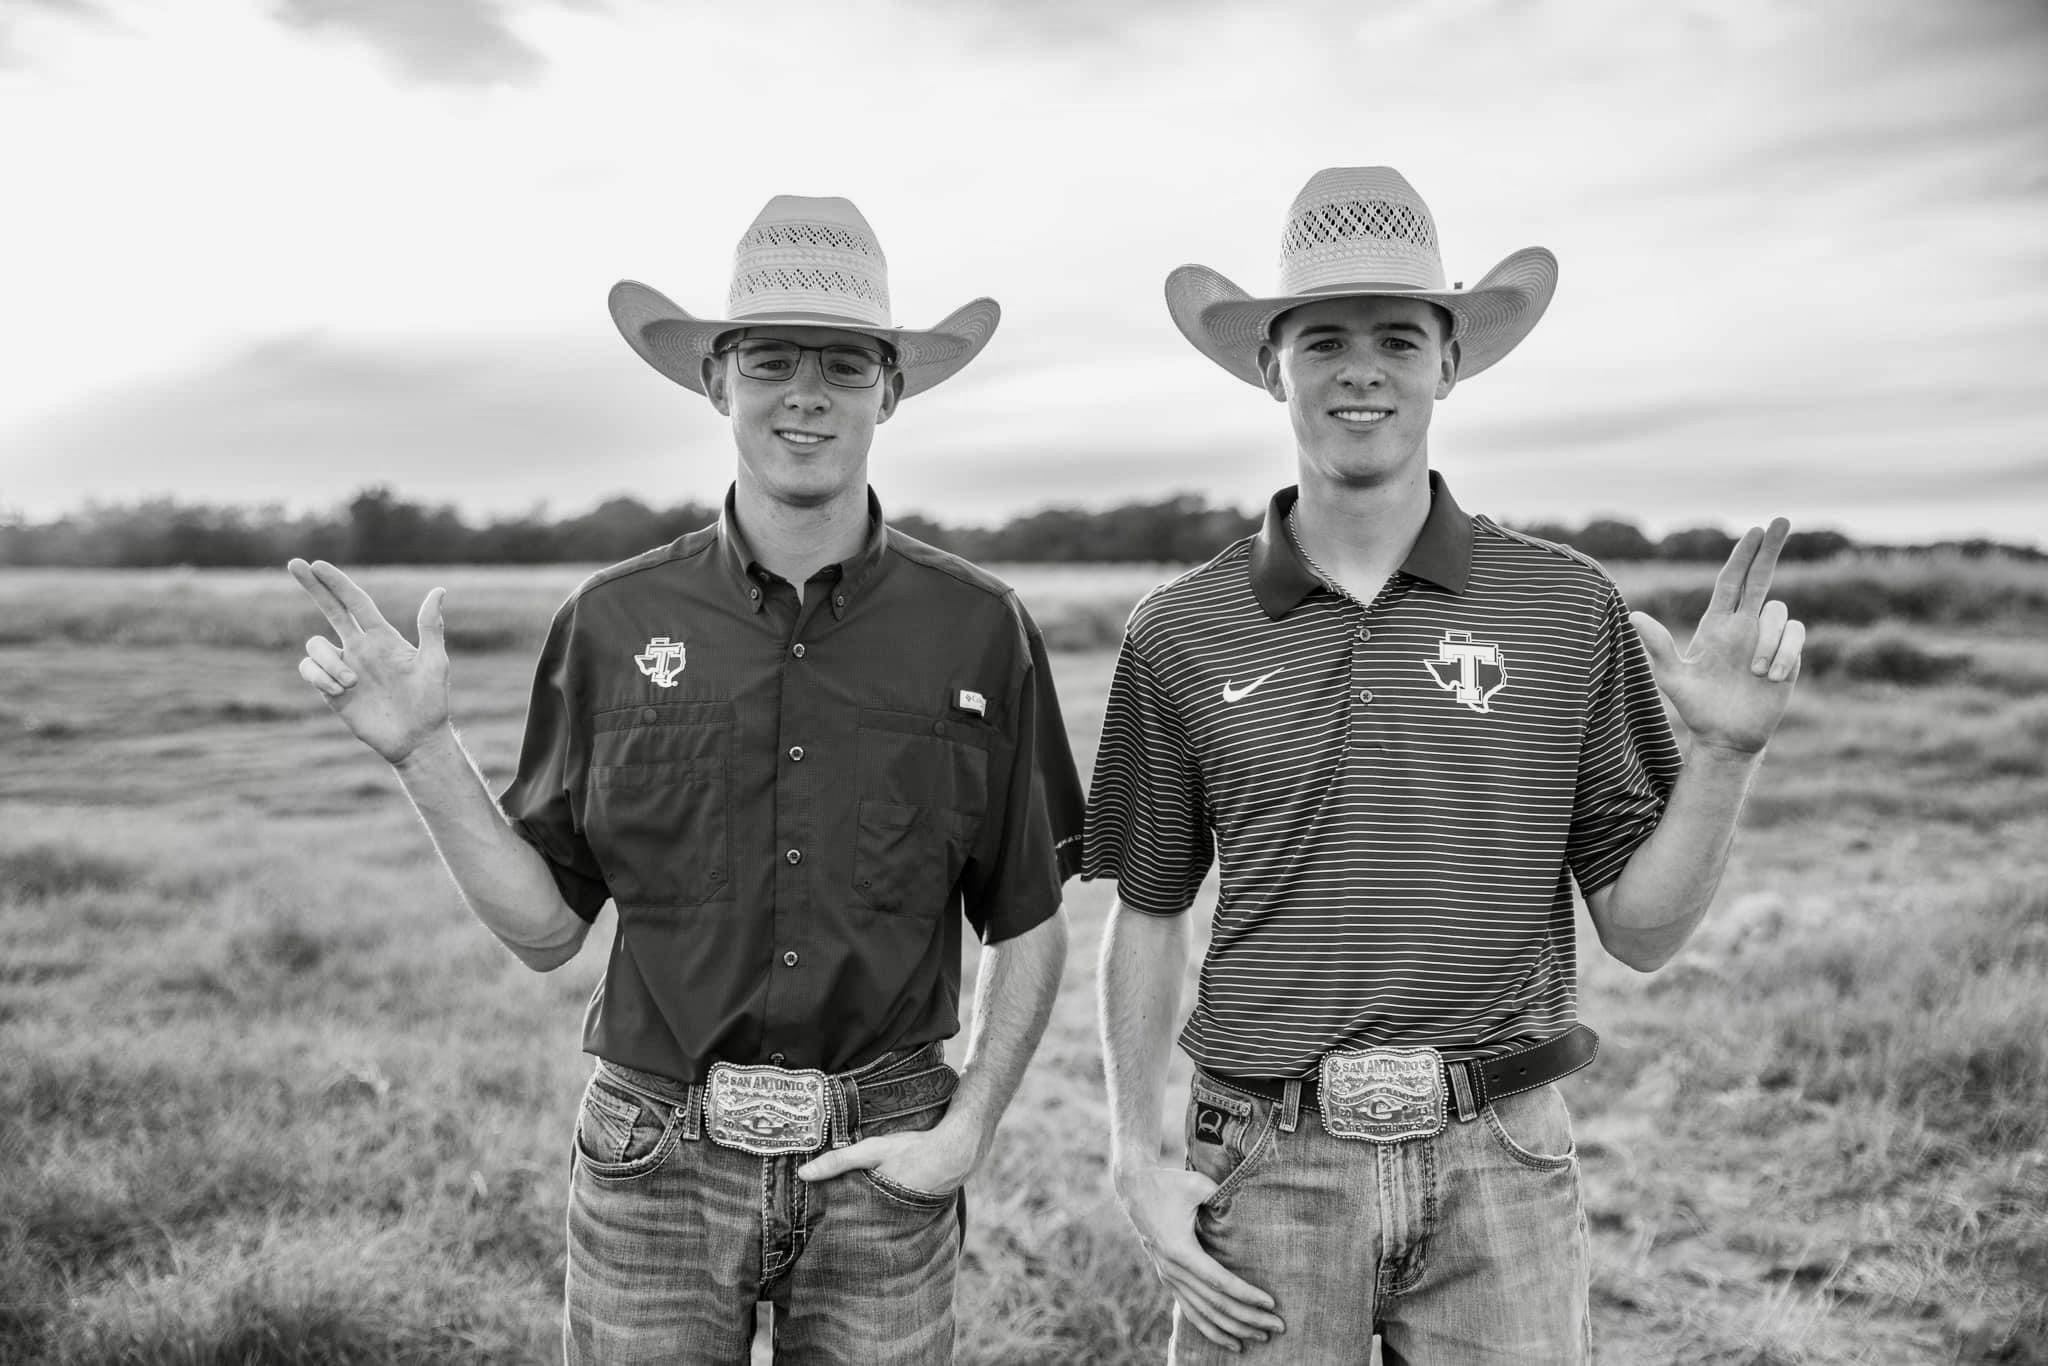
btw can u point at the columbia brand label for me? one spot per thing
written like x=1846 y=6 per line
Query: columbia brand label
x=966 y=699
x=661 y=660
x=1233 y=692
x=1471 y=671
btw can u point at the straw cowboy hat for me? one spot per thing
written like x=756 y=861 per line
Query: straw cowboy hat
x=1357 y=231
x=809 y=262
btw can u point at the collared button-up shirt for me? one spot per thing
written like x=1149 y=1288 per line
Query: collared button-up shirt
x=1397 y=792
x=791 y=805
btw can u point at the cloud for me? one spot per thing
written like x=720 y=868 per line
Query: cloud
x=447 y=42
x=13 y=52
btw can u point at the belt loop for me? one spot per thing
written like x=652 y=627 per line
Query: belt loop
x=845 y=1111
x=1290 y=1105
x=693 y=1114
x=1462 y=1090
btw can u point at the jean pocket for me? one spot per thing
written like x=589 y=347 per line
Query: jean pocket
x=1226 y=1134
x=893 y=1190
x=1534 y=1128
x=619 y=1136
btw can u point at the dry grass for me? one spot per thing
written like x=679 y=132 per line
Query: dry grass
x=269 y=1096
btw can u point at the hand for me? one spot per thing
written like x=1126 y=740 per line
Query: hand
x=1226 y=1309
x=1732 y=684
x=937 y=1160
x=391 y=695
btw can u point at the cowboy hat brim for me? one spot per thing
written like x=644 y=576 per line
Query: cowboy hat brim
x=1229 y=326
x=676 y=343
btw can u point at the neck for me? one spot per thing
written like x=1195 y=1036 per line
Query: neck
x=1360 y=534
x=795 y=542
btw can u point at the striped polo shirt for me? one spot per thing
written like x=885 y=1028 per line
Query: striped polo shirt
x=1398 y=793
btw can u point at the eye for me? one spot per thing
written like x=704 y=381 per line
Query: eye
x=1326 y=345
x=1398 y=344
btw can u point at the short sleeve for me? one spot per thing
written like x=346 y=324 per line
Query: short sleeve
x=543 y=801
x=1628 y=761
x=1037 y=844
x=1148 y=820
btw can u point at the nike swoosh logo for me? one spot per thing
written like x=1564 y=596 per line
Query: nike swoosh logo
x=1231 y=694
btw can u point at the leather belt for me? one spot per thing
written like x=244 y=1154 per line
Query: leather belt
x=1473 y=1082
x=899 y=1083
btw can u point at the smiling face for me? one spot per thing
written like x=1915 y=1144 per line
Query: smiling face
x=802 y=442
x=1360 y=378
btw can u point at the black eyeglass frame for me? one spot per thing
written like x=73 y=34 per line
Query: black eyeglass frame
x=883 y=359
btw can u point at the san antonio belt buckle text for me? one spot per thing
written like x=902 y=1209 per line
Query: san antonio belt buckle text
x=765 y=1111
x=1384 y=1095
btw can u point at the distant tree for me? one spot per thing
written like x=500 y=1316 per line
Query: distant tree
x=1815 y=545
x=1700 y=544
x=1606 y=539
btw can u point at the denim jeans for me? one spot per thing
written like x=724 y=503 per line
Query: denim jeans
x=1466 y=1248
x=673 y=1239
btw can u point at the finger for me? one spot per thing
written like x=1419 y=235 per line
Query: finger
x=319 y=678
x=1194 y=1312
x=1785 y=663
x=1770 y=629
x=1219 y=1279
x=1756 y=584
x=834 y=1161
x=322 y=652
x=358 y=603
x=432 y=625
x=1728 y=583
x=1236 y=1316
x=323 y=598
x=1657 y=642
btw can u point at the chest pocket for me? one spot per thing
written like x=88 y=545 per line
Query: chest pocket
x=655 y=813
x=923 y=797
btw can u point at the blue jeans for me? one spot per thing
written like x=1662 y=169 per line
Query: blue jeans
x=1465 y=1248
x=673 y=1239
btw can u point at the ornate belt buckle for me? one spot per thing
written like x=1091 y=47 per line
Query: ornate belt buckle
x=1384 y=1095
x=765 y=1111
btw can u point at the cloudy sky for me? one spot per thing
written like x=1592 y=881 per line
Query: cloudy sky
x=278 y=250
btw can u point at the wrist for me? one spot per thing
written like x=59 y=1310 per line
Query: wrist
x=437 y=746
x=1729 y=754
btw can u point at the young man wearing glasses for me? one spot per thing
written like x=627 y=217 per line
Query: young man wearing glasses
x=1403 y=733
x=791 y=749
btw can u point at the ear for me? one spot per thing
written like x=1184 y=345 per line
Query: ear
x=892 y=394
x=1269 y=372
x=714 y=385
x=1447 y=376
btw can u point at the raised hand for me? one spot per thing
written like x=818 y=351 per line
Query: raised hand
x=1733 y=682
x=391 y=694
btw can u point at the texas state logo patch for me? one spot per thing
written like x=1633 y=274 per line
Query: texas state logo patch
x=1471 y=671
x=661 y=660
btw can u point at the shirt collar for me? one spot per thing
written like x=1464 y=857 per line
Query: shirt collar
x=748 y=576
x=1281 y=578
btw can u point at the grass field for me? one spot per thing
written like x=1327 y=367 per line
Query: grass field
x=268 y=1095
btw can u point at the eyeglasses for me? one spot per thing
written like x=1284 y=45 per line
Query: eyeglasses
x=846 y=367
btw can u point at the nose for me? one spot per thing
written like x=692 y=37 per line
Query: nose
x=1361 y=368
x=807 y=388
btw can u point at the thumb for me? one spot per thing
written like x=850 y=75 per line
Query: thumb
x=432 y=625
x=852 y=1157
x=1657 y=642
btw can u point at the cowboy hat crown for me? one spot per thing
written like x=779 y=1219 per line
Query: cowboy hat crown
x=803 y=261
x=1362 y=231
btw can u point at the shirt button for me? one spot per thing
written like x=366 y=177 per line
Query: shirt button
x=649 y=714
x=789 y=959
x=797 y=650
x=795 y=856
x=1365 y=696
x=938 y=727
x=1365 y=633
x=754 y=593
x=775 y=1058
x=839 y=601
x=796 y=754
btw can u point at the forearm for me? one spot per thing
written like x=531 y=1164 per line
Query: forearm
x=1143 y=957
x=504 y=880
x=1013 y=997
x=1645 y=916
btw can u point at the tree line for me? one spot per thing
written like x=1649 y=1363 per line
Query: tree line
x=379 y=527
